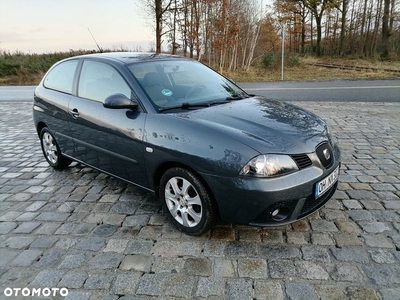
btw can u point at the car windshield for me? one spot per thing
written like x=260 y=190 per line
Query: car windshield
x=183 y=84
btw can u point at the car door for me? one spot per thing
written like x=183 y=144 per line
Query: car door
x=108 y=139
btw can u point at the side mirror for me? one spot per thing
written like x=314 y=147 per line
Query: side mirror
x=119 y=101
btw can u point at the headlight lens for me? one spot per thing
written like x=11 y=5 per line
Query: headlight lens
x=270 y=165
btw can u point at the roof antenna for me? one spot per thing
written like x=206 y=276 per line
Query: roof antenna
x=101 y=50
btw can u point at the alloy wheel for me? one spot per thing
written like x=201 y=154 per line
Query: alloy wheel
x=183 y=202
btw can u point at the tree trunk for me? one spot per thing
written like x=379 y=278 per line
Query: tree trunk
x=158 y=12
x=173 y=34
x=319 y=35
x=312 y=33
x=343 y=29
x=303 y=30
x=376 y=29
x=385 y=30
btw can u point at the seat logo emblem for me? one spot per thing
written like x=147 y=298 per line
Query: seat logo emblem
x=326 y=154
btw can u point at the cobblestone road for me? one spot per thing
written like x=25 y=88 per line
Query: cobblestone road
x=103 y=239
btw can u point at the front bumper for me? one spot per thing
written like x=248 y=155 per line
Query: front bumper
x=272 y=201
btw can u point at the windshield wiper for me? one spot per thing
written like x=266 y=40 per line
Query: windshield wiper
x=194 y=105
x=236 y=97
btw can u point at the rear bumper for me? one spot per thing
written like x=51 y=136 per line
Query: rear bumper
x=274 y=201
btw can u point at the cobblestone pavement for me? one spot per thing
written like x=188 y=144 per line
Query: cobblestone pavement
x=104 y=239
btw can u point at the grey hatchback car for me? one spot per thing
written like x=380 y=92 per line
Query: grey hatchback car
x=180 y=130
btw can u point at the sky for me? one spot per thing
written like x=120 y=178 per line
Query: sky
x=45 y=26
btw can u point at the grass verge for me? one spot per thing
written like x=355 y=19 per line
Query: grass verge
x=28 y=69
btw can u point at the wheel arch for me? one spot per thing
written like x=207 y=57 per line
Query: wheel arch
x=162 y=168
x=40 y=126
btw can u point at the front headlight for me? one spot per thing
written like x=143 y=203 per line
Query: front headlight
x=269 y=165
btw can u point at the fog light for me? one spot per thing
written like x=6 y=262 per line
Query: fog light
x=280 y=214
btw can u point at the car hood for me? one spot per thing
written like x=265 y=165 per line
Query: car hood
x=265 y=125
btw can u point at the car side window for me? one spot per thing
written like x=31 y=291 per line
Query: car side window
x=61 y=77
x=99 y=80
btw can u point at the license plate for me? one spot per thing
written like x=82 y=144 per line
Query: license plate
x=326 y=183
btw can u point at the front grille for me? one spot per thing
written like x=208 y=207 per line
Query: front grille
x=302 y=160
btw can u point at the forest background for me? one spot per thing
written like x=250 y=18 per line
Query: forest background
x=243 y=38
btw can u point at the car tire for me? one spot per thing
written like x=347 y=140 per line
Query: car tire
x=51 y=150
x=186 y=201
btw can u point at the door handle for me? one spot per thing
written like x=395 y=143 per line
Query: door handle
x=74 y=113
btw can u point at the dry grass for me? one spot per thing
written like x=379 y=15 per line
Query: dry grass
x=308 y=72
x=369 y=63
x=22 y=78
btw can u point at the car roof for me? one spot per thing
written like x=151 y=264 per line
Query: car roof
x=131 y=57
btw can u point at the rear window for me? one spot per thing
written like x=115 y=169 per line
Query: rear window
x=61 y=77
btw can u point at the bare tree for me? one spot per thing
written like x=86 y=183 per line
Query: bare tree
x=317 y=8
x=157 y=10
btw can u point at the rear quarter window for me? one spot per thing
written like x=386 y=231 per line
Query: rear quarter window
x=61 y=77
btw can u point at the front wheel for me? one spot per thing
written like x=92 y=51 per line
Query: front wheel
x=51 y=150
x=186 y=201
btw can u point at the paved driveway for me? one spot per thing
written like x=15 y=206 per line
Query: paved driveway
x=103 y=239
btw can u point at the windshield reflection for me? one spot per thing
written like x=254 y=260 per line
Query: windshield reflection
x=171 y=83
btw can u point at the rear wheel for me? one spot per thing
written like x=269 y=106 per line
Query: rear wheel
x=51 y=150
x=186 y=201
